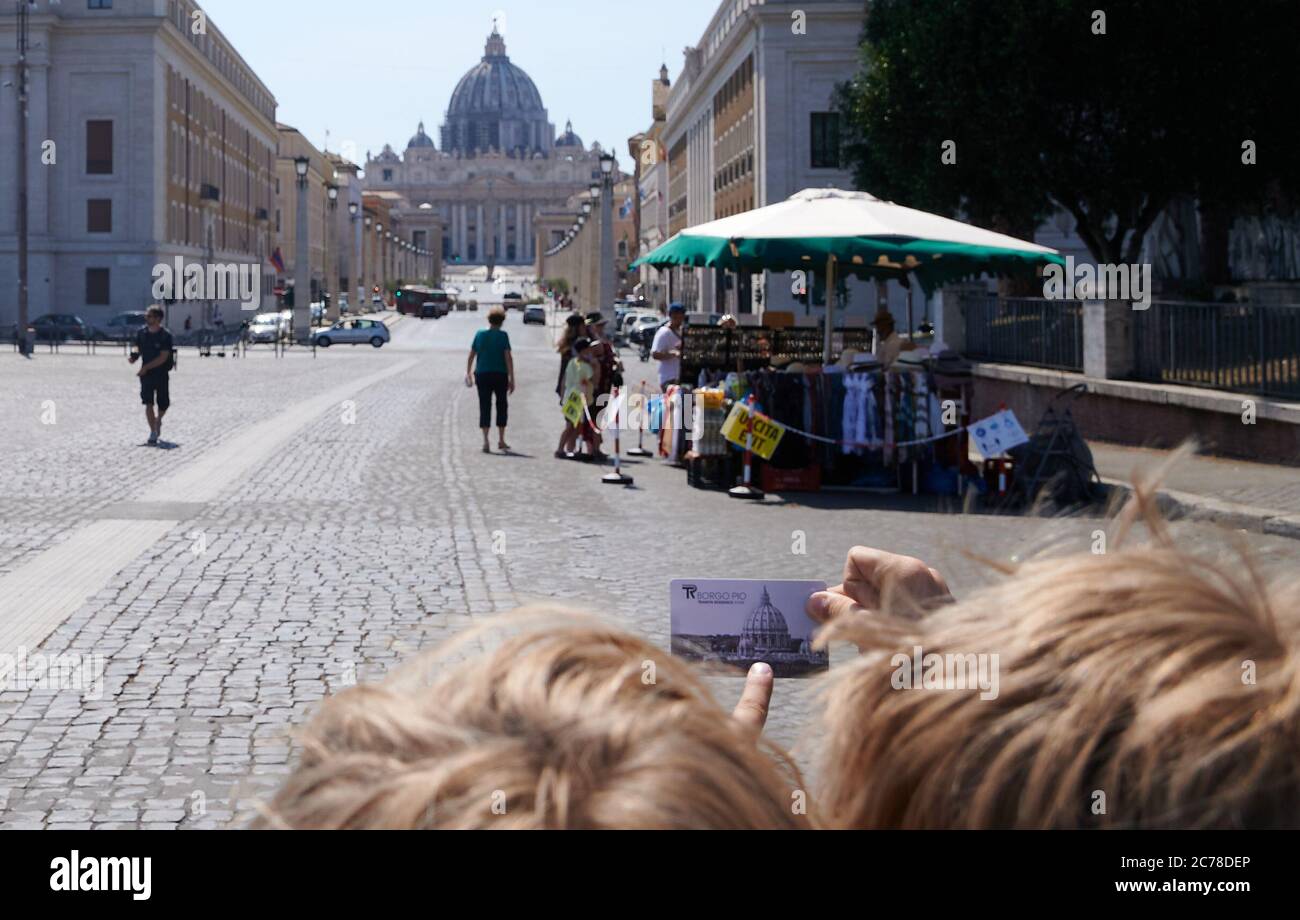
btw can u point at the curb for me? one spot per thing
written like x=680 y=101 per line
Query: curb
x=1189 y=506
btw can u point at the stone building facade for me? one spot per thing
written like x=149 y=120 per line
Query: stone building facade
x=748 y=123
x=164 y=147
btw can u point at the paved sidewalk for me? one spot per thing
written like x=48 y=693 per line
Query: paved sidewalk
x=1260 y=497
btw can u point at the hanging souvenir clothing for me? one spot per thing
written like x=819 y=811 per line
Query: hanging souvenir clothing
x=860 y=414
x=891 y=385
x=672 y=437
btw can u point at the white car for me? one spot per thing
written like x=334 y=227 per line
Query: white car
x=353 y=332
x=266 y=327
x=631 y=320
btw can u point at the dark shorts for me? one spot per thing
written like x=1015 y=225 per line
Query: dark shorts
x=154 y=390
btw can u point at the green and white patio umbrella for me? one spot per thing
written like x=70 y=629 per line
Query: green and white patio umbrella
x=854 y=233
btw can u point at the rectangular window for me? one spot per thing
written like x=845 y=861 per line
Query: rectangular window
x=99 y=4
x=99 y=148
x=99 y=215
x=97 y=287
x=825 y=140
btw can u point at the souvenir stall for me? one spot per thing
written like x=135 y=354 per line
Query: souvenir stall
x=842 y=419
x=849 y=425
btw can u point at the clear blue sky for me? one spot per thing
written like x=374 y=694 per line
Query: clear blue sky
x=369 y=71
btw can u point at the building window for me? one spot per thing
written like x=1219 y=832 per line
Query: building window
x=388 y=175
x=99 y=4
x=825 y=140
x=97 y=287
x=99 y=148
x=99 y=215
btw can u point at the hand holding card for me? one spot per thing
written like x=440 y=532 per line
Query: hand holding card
x=743 y=621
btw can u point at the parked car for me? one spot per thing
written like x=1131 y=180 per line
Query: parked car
x=267 y=327
x=623 y=332
x=123 y=327
x=535 y=314
x=60 y=327
x=431 y=310
x=353 y=332
x=644 y=327
x=512 y=300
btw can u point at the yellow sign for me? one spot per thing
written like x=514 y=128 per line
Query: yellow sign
x=767 y=434
x=573 y=406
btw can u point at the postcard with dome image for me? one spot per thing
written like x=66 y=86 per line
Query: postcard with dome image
x=736 y=622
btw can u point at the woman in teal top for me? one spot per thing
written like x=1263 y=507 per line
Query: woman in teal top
x=494 y=376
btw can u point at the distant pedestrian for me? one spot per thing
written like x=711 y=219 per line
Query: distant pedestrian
x=667 y=347
x=609 y=369
x=491 y=367
x=156 y=353
x=573 y=330
x=580 y=374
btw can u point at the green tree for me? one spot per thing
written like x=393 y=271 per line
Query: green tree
x=1048 y=105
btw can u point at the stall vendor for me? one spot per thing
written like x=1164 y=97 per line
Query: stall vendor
x=888 y=344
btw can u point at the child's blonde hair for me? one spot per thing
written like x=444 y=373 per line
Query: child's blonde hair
x=1140 y=688
x=567 y=723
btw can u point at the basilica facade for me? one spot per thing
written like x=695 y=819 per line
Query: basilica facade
x=497 y=166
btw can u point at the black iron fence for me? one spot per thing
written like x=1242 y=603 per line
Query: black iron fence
x=56 y=341
x=1024 y=330
x=1247 y=348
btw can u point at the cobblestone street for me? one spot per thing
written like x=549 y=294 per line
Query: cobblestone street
x=318 y=521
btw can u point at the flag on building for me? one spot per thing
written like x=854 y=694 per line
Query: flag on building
x=278 y=260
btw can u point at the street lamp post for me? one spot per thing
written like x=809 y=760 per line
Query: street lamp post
x=331 y=254
x=302 y=258
x=590 y=258
x=381 y=257
x=369 y=273
x=24 y=344
x=607 y=283
x=356 y=271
